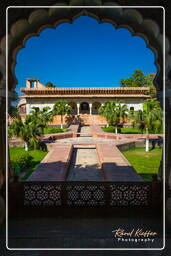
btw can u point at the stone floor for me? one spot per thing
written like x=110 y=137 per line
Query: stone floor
x=85 y=165
x=73 y=230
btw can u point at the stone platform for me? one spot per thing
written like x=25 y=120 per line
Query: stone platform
x=114 y=165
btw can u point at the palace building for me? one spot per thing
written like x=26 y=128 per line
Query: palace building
x=84 y=101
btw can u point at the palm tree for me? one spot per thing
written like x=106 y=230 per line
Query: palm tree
x=150 y=118
x=42 y=117
x=61 y=108
x=107 y=110
x=115 y=112
x=120 y=114
x=27 y=130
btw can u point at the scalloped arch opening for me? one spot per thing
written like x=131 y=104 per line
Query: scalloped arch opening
x=71 y=21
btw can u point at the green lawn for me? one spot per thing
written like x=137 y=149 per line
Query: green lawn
x=126 y=130
x=49 y=130
x=37 y=155
x=145 y=163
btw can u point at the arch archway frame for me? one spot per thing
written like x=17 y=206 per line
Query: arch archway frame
x=120 y=17
x=50 y=17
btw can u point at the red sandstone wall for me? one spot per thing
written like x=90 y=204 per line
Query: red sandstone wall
x=85 y=119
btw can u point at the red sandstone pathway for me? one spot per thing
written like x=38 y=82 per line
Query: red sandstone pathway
x=114 y=165
x=54 y=166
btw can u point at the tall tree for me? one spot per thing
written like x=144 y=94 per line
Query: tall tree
x=149 y=83
x=115 y=113
x=138 y=79
x=148 y=119
x=61 y=108
x=42 y=117
x=27 y=130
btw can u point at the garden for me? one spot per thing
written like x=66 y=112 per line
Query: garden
x=145 y=121
x=145 y=163
x=24 y=161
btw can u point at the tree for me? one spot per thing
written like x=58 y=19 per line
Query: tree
x=27 y=130
x=50 y=85
x=115 y=112
x=32 y=127
x=149 y=83
x=148 y=119
x=61 y=108
x=41 y=117
x=138 y=79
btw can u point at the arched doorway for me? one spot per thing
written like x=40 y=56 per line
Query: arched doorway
x=96 y=106
x=84 y=108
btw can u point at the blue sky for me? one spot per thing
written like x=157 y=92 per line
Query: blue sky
x=83 y=54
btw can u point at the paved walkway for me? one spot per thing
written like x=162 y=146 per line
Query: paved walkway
x=85 y=165
x=85 y=162
x=114 y=165
x=86 y=131
x=55 y=165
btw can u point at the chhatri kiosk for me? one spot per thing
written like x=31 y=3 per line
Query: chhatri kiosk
x=84 y=101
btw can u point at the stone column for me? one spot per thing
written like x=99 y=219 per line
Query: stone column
x=78 y=108
x=168 y=154
x=2 y=150
x=90 y=107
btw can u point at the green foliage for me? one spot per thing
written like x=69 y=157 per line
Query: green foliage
x=50 y=85
x=27 y=130
x=20 y=162
x=26 y=164
x=145 y=163
x=111 y=129
x=138 y=79
x=32 y=127
x=114 y=111
x=10 y=132
x=49 y=130
x=61 y=108
x=150 y=119
x=129 y=130
x=149 y=83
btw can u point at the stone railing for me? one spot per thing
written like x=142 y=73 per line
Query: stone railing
x=87 y=194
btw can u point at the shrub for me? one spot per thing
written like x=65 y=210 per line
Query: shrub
x=109 y=129
x=21 y=162
x=53 y=130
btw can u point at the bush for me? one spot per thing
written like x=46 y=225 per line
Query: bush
x=53 y=130
x=21 y=162
x=109 y=129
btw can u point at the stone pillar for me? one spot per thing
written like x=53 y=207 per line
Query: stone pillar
x=90 y=107
x=78 y=108
x=2 y=150
x=168 y=154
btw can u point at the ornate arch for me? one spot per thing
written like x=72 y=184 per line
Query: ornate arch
x=40 y=19
x=131 y=19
